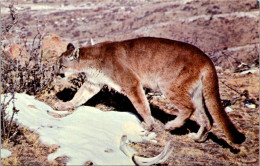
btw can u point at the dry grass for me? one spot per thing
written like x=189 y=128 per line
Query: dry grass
x=29 y=150
x=12 y=160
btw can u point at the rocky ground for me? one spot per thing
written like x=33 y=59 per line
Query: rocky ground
x=226 y=30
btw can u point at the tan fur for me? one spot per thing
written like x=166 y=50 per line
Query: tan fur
x=182 y=72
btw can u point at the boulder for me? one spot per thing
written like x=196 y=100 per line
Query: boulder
x=53 y=47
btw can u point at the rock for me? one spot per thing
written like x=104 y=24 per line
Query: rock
x=242 y=67
x=53 y=47
x=219 y=69
x=17 y=51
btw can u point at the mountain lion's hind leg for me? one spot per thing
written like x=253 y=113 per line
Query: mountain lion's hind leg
x=184 y=114
x=205 y=126
x=185 y=107
x=85 y=92
x=201 y=116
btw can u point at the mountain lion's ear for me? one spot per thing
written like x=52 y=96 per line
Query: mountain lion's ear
x=70 y=46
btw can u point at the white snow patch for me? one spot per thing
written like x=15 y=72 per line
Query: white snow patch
x=5 y=153
x=88 y=134
x=250 y=105
x=252 y=71
x=183 y=1
x=228 y=109
x=50 y=7
x=92 y=42
x=146 y=29
x=238 y=48
x=46 y=9
x=253 y=14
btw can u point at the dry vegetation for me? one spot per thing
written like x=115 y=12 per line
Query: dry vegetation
x=220 y=28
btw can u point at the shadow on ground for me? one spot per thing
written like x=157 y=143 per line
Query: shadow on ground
x=119 y=102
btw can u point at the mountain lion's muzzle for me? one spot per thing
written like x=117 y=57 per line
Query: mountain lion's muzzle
x=58 y=68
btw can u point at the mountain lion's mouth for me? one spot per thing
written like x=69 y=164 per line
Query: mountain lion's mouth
x=58 y=73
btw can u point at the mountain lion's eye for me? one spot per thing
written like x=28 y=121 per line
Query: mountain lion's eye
x=62 y=66
x=71 y=58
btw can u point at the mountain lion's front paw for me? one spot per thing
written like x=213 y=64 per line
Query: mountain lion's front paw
x=62 y=106
x=148 y=123
x=148 y=127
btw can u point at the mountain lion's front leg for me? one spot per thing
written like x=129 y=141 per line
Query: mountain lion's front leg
x=136 y=95
x=86 y=91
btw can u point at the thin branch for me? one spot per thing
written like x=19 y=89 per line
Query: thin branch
x=241 y=94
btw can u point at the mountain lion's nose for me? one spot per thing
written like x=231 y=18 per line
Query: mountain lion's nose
x=58 y=73
x=62 y=75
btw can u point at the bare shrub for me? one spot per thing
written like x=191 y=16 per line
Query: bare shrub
x=21 y=74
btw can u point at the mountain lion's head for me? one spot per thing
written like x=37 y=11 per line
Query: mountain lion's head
x=67 y=62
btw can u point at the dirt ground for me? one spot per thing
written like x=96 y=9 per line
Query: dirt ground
x=226 y=30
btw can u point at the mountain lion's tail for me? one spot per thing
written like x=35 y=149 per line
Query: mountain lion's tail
x=215 y=108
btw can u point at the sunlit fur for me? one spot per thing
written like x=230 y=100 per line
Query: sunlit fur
x=180 y=71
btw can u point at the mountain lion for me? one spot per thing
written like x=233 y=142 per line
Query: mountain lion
x=180 y=71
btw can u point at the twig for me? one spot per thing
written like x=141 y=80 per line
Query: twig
x=3 y=107
x=245 y=93
x=241 y=94
x=15 y=133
